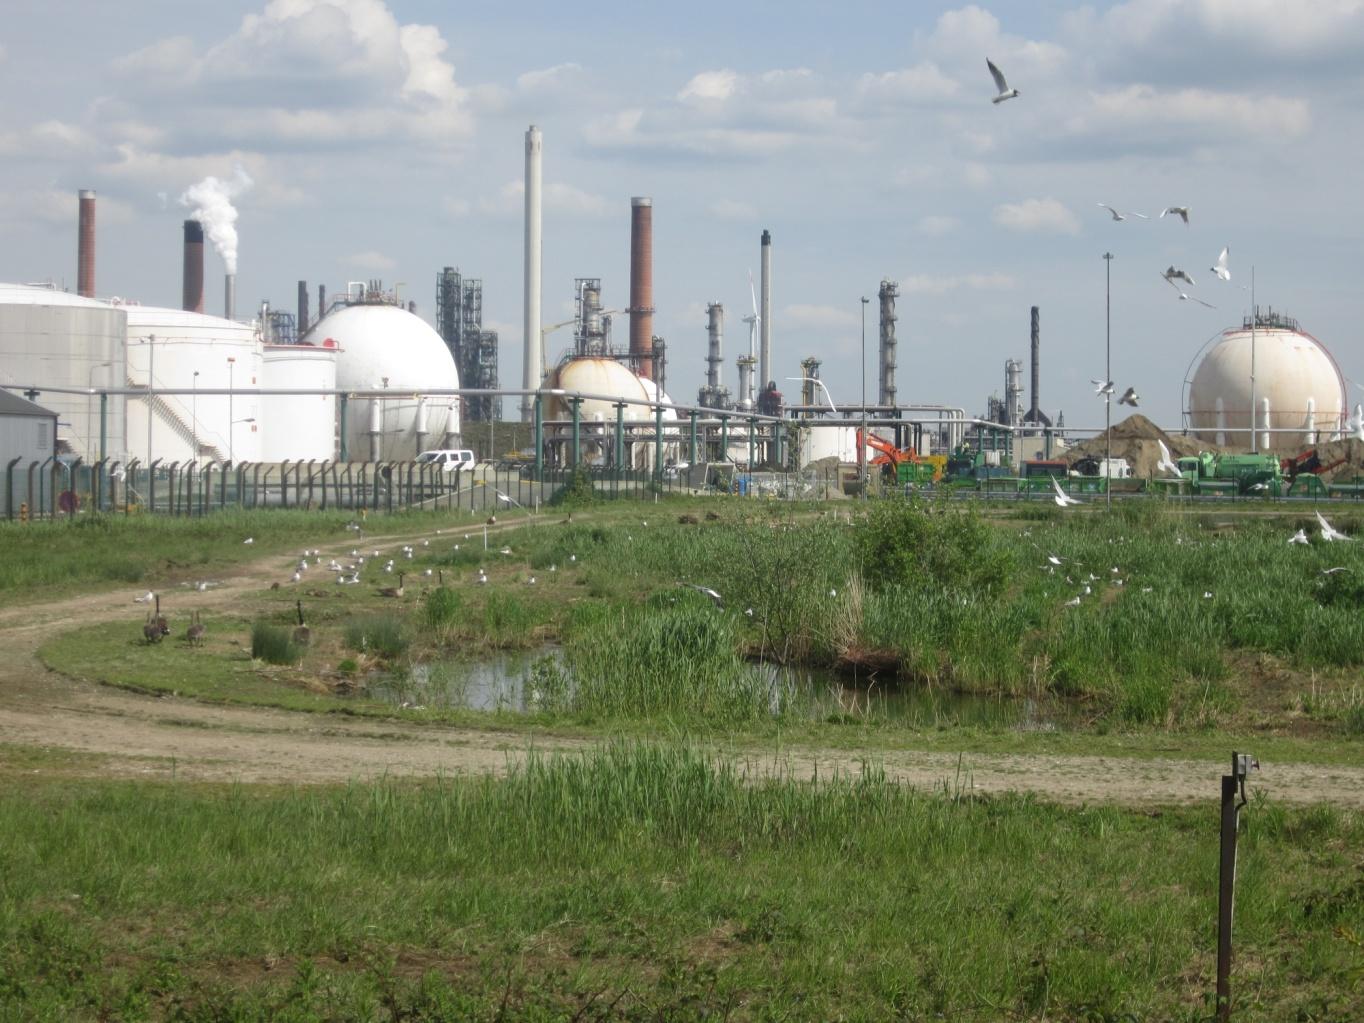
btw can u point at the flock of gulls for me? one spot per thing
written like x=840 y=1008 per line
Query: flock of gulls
x=1172 y=274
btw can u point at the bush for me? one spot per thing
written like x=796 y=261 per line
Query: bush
x=926 y=544
x=440 y=609
x=273 y=644
x=381 y=635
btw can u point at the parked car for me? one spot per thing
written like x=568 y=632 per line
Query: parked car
x=449 y=459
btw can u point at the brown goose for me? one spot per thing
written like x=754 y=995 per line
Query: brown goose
x=161 y=622
x=393 y=591
x=196 y=630
x=302 y=634
x=151 y=632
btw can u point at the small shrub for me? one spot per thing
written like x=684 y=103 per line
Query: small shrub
x=273 y=644
x=576 y=491
x=440 y=610
x=381 y=635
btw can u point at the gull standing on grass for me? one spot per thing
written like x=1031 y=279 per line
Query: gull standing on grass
x=1004 y=91
x=1121 y=216
x=1300 y=537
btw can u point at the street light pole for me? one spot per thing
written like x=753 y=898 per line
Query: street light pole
x=231 y=432
x=862 y=437
x=194 y=418
x=1108 y=379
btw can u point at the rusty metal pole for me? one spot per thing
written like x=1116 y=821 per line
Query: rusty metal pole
x=1233 y=799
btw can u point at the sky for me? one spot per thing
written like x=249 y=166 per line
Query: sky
x=385 y=139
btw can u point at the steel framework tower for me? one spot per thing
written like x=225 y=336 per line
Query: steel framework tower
x=459 y=312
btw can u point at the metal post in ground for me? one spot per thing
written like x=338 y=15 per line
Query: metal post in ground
x=691 y=448
x=539 y=439
x=577 y=429
x=1233 y=799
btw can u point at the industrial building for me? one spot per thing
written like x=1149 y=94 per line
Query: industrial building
x=28 y=434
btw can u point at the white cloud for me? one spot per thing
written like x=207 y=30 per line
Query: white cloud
x=47 y=139
x=923 y=82
x=965 y=37
x=54 y=207
x=936 y=226
x=172 y=57
x=818 y=317
x=1044 y=215
x=939 y=284
x=548 y=78
x=977 y=175
x=1222 y=113
x=556 y=196
x=151 y=172
x=1267 y=25
x=710 y=86
x=371 y=260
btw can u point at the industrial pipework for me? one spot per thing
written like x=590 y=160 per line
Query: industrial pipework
x=533 y=358
x=642 y=285
x=85 y=245
x=192 y=274
x=890 y=290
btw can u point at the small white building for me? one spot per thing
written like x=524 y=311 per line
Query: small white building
x=28 y=434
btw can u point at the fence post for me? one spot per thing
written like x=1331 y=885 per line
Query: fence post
x=1233 y=786
x=298 y=483
x=151 y=485
x=539 y=437
x=577 y=427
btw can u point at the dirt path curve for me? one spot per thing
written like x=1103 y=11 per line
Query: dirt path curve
x=146 y=736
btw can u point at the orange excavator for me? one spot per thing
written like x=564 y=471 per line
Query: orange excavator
x=903 y=465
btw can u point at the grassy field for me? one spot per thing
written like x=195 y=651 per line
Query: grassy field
x=651 y=882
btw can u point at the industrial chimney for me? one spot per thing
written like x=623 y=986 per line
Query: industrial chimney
x=192 y=294
x=533 y=361
x=888 y=293
x=715 y=335
x=85 y=245
x=642 y=285
x=230 y=297
x=302 y=308
x=765 y=307
x=1035 y=416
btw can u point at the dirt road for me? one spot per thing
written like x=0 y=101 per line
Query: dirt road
x=144 y=736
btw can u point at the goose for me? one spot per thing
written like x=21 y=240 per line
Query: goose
x=393 y=591
x=151 y=632
x=302 y=635
x=196 y=630
x=161 y=622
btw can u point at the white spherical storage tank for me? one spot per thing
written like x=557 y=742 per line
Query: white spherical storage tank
x=189 y=352
x=1298 y=388
x=386 y=349
x=298 y=426
x=55 y=339
x=602 y=376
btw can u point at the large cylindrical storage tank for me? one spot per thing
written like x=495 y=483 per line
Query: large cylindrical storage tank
x=1298 y=388
x=191 y=352
x=298 y=426
x=386 y=349
x=55 y=339
x=604 y=376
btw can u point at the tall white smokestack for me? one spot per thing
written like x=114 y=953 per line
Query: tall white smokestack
x=765 y=324
x=230 y=297
x=533 y=372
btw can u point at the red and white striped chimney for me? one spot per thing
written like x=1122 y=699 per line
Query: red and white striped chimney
x=85 y=245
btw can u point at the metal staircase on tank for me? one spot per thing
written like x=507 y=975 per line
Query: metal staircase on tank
x=167 y=414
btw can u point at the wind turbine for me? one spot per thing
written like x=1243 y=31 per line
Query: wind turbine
x=747 y=399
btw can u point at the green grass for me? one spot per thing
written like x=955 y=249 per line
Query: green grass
x=644 y=882
x=380 y=635
x=273 y=644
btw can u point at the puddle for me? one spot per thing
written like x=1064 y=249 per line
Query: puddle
x=522 y=681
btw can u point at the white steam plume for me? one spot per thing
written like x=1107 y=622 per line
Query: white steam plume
x=211 y=201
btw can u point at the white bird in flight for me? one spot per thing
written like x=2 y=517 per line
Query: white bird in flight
x=1004 y=91
x=1220 y=268
x=715 y=597
x=1300 y=537
x=1166 y=463
x=1178 y=275
x=1182 y=212
x=1063 y=500
x=1102 y=386
x=1121 y=216
x=1184 y=296
x=1129 y=397
x=1329 y=532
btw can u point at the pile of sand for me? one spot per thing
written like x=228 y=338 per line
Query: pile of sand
x=1352 y=453
x=1137 y=439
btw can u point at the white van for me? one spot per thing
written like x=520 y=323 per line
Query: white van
x=449 y=459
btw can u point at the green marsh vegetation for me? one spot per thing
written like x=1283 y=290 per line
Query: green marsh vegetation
x=642 y=881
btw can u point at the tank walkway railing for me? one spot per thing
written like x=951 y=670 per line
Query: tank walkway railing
x=194 y=438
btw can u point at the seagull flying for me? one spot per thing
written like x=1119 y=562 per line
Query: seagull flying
x=1183 y=297
x=1330 y=532
x=1129 y=397
x=1220 y=268
x=1063 y=500
x=715 y=597
x=1173 y=275
x=1300 y=537
x=1121 y=216
x=1166 y=463
x=1004 y=91
x=1182 y=212
x=1102 y=386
